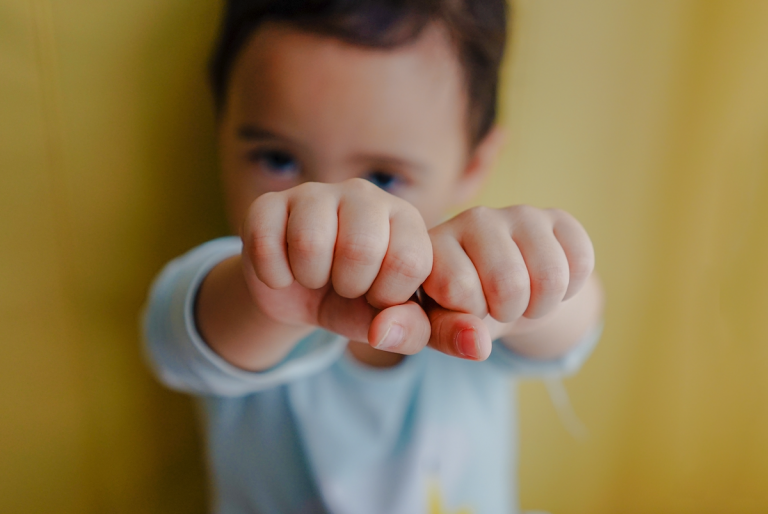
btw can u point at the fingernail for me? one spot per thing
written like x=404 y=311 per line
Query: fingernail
x=392 y=338
x=467 y=343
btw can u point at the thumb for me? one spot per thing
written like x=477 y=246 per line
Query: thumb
x=458 y=334
x=400 y=329
x=349 y=317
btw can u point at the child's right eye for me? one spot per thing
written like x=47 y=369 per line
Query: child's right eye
x=276 y=162
x=386 y=181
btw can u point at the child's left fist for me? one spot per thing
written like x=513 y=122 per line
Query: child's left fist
x=510 y=262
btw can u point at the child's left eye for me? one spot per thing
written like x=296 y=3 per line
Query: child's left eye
x=276 y=162
x=384 y=180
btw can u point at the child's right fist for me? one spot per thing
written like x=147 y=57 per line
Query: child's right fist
x=316 y=244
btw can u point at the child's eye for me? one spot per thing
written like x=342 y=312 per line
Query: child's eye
x=276 y=161
x=383 y=179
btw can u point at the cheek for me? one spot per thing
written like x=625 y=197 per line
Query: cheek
x=238 y=191
x=237 y=200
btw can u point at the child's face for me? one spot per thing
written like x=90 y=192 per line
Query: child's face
x=302 y=107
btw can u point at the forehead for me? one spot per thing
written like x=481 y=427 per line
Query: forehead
x=317 y=87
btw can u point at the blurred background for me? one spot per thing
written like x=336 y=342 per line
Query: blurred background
x=647 y=119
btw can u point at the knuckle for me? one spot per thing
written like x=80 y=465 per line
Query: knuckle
x=524 y=214
x=581 y=265
x=265 y=204
x=310 y=189
x=265 y=198
x=380 y=299
x=408 y=211
x=508 y=285
x=360 y=186
x=551 y=280
x=456 y=292
x=262 y=248
x=408 y=208
x=307 y=243
x=362 y=249
x=410 y=264
x=255 y=212
x=478 y=215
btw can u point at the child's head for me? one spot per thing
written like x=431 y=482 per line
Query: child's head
x=400 y=92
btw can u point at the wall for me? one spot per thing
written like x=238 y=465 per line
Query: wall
x=647 y=120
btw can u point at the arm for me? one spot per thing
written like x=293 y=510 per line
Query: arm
x=235 y=328
x=182 y=360
x=345 y=257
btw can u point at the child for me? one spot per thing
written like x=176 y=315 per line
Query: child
x=347 y=131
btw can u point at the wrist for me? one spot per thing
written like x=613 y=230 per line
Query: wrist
x=558 y=332
x=231 y=323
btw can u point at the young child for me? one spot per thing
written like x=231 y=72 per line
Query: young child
x=347 y=130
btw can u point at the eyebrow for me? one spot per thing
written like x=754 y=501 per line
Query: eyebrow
x=251 y=132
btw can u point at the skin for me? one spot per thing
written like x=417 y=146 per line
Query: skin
x=338 y=164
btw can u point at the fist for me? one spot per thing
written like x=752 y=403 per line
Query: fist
x=321 y=243
x=510 y=262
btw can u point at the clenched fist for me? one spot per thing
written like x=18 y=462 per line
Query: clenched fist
x=337 y=256
x=509 y=263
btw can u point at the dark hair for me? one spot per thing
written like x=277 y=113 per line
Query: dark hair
x=477 y=29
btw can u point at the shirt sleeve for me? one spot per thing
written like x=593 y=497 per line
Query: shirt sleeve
x=183 y=361
x=506 y=359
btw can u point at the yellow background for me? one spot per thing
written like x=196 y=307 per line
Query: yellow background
x=646 y=119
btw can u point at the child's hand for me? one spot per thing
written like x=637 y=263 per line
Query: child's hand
x=511 y=262
x=330 y=255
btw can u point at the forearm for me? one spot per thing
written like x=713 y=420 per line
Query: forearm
x=556 y=333
x=234 y=327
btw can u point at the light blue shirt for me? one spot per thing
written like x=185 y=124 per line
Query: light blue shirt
x=323 y=433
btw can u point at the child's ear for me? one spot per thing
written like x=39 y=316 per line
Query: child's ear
x=479 y=164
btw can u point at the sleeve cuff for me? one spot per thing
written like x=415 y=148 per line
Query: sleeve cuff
x=567 y=364
x=180 y=357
